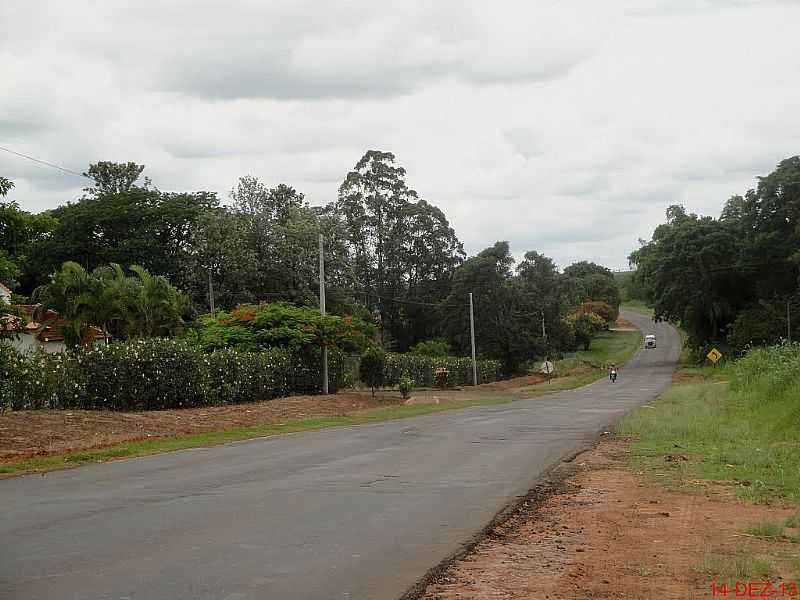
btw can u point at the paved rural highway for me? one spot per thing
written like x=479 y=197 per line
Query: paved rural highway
x=352 y=512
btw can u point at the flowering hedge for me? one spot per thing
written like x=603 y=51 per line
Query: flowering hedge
x=156 y=374
x=421 y=369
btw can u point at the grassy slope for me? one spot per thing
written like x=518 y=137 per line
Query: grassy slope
x=617 y=346
x=637 y=306
x=741 y=424
x=725 y=435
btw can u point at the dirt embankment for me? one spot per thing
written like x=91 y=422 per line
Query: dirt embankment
x=41 y=432
x=611 y=535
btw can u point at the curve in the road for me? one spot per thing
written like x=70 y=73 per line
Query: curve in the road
x=353 y=512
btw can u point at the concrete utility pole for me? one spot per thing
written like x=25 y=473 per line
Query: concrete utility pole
x=210 y=292
x=472 y=335
x=544 y=332
x=322 y=312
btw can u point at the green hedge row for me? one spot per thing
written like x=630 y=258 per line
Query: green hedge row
x=156 y=374
x=421 y=369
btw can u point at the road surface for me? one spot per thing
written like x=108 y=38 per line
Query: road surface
x=353 y=512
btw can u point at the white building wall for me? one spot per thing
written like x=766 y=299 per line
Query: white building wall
x=26 y=342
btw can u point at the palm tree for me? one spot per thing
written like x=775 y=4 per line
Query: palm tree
x=140 y=306
x=69 y=293
x=158 y=306
x=111 y=299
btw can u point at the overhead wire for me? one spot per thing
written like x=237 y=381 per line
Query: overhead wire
x=46 y=163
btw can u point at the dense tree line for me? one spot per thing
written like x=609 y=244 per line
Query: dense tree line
x=731 y=280
x=392 y=259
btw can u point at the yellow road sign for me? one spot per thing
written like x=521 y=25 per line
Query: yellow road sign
x=714 y=355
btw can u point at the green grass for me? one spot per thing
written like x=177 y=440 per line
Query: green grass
x=637 y=306
x=745 y=436
x=766 y=529
x=607 y=347
x=180 y=442
x=742 y=565
x=792 y=522
x=612 y=347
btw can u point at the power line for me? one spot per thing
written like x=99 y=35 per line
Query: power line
x=44 y=162
x=414 y=302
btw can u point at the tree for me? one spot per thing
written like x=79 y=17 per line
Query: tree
x=400 y=245
x=254 y=327
x=371 y=367
x=586 y=324
x=729 y=277
x=113 y=178
x=582 y=269
x=5 y=186
x=69 y=294
x=139 y=306
x=685 y=269
x=19 y=230
x=157 y=308
x=219 y=247
x=596 y=282
x=506 y=325
x=434 y=348
x=132 y=226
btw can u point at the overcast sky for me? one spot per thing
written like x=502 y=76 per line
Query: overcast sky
x=565 y=127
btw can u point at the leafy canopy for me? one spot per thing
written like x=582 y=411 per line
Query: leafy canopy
x=254 y=327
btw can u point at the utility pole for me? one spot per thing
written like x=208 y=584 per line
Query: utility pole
x=544 y=332
x=210 y=292
x=472 y=336
x=322 y=312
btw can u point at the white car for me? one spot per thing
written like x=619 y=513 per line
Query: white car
x=650 y=341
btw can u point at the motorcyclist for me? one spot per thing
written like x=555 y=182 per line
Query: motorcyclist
x=612 y=373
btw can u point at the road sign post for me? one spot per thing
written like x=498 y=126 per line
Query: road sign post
x=714 y=356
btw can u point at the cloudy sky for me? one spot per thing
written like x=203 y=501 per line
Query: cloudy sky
x=562 y=126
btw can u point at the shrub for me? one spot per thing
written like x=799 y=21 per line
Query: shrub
x=406 y=385
x=760 y=325
x=586 y=324
x=422 y=369
x=156 y=374
x=306 y=371
x=437 y=347
x=440 y=377
x=372 y=368
x=602 y=309
x=281 y=325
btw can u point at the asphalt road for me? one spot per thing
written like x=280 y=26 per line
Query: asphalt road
x=352 y=512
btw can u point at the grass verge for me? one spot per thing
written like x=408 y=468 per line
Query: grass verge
x=637 y=306
x=738 y=423
x=735 y=425
x=607 y=347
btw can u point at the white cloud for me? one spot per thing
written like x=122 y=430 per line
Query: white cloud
x=562 y=127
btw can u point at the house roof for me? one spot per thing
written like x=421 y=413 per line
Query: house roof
x=51 y=326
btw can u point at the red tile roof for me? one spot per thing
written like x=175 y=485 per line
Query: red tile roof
x=51 y=326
